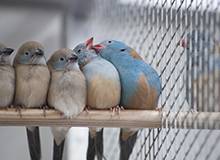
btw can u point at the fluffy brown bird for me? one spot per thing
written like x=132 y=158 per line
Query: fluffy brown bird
x=7 y=77
x=32 y=82
x=67 y=92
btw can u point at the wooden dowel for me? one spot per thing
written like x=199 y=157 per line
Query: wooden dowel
x=103 y=118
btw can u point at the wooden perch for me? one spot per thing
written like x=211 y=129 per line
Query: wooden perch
x=103 y=118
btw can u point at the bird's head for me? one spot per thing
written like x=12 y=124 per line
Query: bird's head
x=198 y=44
x=197 y=40
x=5 y=54
x=85 y=52
x=30 y=53
x=63 y=59
x=109 y=49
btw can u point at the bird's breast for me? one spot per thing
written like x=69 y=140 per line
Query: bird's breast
x=67 y=92
x=143 y=97
x=103 y=93
x=31 y=85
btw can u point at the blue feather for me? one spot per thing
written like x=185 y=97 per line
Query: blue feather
x=129 y=69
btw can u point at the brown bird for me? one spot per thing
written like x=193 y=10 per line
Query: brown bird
x=104 y=90
x=32 y=82
x=67 y=92
x=7 y=77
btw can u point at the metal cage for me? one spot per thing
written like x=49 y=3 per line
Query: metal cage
x=190 y=74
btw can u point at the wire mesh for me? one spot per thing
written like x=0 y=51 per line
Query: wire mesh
x=189 y=70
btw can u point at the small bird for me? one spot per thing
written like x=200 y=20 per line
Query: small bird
x=7 y=77
x=199 y=45
x=103 y=88
x=31 y=87
x=67 y=92
x=140 y=85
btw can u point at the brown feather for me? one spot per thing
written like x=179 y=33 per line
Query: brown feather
x=144 y=98
x=135 y=54
x=103 y=93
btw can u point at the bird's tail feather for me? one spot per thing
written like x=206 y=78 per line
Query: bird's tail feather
x=58 y=150
x=99 y=144
x=127 y=145
x=34 y=143
x=91 y=148
x=95 y=146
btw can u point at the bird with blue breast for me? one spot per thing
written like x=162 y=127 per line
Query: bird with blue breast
x=103 y=88
x=140 y=85
x=202 y=53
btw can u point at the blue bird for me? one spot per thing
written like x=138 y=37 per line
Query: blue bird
x=140 y=85
x=200 y=45
x=103 y=88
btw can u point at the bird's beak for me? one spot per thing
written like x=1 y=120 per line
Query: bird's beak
x=72 y=58
x=39 y=52
x=98 y=47
x=182 y=43
x=7 y=51
x=89 y=43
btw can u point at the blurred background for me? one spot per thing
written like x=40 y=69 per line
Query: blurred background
x=153 y=29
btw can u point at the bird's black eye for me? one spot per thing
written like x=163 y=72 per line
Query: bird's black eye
x=109 y=42
x=26 y=53
x=122 y=50
x=79 y=50
x=61 y=58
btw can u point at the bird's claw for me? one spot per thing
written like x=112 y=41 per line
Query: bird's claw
x=44 y=109
x=18 y=108
x=159 y=110
x=87 y=108
x=116 y=109
x=61 y=114
x=193 y=111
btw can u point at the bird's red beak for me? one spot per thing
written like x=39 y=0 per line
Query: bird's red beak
x=89 y=43
x=98 y=47
x=184 y=43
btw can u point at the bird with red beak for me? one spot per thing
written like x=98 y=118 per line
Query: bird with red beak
x=103 y=90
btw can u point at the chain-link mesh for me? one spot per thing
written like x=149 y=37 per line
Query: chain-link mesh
x=189 y=70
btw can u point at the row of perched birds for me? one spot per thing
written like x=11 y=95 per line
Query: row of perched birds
x=102 y=76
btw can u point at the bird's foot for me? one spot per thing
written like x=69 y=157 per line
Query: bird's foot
x=44 y=107
x=60 y=113
x=6 y=107
x=193 y=111
x=116 y=109
x=87 y=108
x=18 y=108
x=159 y=110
